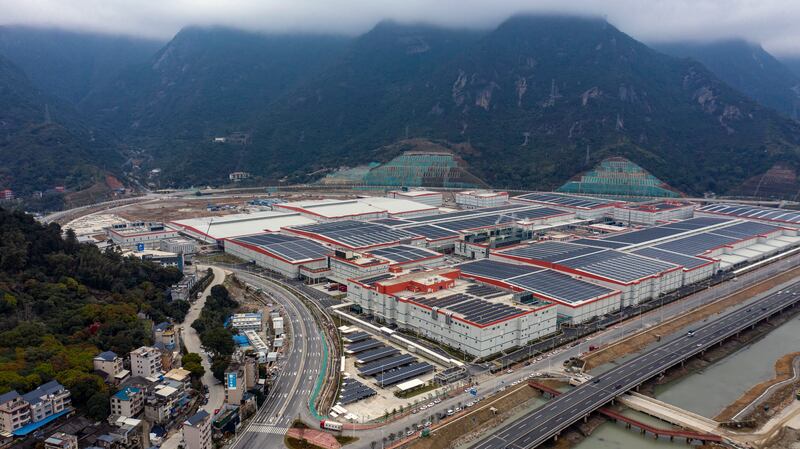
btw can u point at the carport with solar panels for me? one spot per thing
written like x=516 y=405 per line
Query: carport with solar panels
x=353 y=391
x=284 y=254
x=577 y=300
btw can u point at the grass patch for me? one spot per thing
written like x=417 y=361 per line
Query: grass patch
x=294 y=443
x=415 y=392
x=346 y=440
x=220 y=258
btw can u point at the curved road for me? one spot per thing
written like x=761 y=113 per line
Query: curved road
x=300 y=367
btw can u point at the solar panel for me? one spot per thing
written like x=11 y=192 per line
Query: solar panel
x=600 y=243
x=746 y=230
x=357 y=234
x=566 y=200
x=466 y=213
x=432 y=232
x=551 y=251
x=355 y=337
x=400 y=374
x=695 y=223
x=386 y=364
x=373 y=279
x=287 y=247
x=644 y=235
x=668 y=256
x=759 y=213
x=618 y=266
x=493 y=269
x=560 y=286
x=404 y=253
x=389 y=221
x=484 y=312
x=363 y=345
x=375 y=354
x=696 y=244
x=353 y=390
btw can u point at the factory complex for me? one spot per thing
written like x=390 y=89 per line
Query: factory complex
x=493 y=272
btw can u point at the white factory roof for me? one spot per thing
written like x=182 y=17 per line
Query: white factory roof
x=416 y=193
x=331 y=209
x=397 y=205
x=216 y=228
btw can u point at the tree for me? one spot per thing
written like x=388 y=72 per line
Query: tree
x=219 y=364
x=193 y=363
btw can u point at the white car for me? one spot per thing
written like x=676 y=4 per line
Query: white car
x=437 y=401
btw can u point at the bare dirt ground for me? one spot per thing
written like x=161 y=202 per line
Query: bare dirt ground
x=647 y=337
x=169 y=210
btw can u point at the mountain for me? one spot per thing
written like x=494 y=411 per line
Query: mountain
x=539 y=99
x=206 y=82
x=748 y=68
x=793 y=63
x=528 y=104
x=70 y=64
x=43 y=141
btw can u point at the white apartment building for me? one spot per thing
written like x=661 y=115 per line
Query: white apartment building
x=146 y=362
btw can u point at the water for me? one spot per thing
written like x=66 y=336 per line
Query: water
x=706 y=392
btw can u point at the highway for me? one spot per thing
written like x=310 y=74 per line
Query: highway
x=299 y=370
x=542 y=424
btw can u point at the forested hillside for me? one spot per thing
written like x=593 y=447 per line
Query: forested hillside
x=61 y=303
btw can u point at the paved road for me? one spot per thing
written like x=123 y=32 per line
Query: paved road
x=543 y=423
x=191 y=340
x=289 y=395
x=491 y=384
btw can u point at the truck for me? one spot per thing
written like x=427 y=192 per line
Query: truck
x=330 y=425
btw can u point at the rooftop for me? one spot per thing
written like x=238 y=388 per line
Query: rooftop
x=197 y=418
x=354 y=234
x=108 y=356
x=570 y=201
x=217 y=228
x=289 y=248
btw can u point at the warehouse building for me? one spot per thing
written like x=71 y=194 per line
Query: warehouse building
x=581 y=206
x=353 y=235
x=441 y=306
x=693 y=243
x=475 y=199
x=131 y=234
x=293 y=257
x=768 y=215
x=638 y=278
x=418 y=195
x=348 y=264
x=214 y=230
x=577 y=301
x=653 y=213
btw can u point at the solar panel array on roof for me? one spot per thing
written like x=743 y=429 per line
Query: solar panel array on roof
x=493 y=269
x=466 y=213
x=600 y=243
x=353 y=391
x=432 y=232
x=618 y=266
x=566 y=200
x=377 y=353
x=400 y=374
x=386 y=364
x=696 y=223
x=389 y=221
x=759 y=213
x=357 y=234
x=551 y=251
x=746 y=230
x=442 y=302
x=696 y=244
x=287 y=247
x=668 y=256
x=644 y=235
x=363 y=345
x=373 y=279
x=499 y=219
x=355 y=336
x=560 y=286
x=484 y=312
x=404 y=253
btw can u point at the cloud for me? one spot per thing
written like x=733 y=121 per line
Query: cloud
x=773 y=23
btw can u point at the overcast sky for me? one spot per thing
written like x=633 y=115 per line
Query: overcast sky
x=773 y=23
